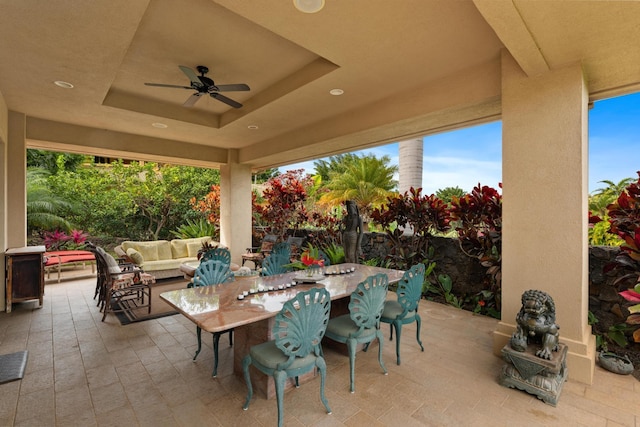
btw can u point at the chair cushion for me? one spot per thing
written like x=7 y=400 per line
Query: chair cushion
x=112 y=264
x=268 y=355
x=392 y=309
x=343 y=326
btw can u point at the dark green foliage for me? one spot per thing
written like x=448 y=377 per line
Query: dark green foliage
x=54 y=162
x=45 y=210
x=140 y=202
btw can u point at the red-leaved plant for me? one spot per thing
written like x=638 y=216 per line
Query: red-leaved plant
x=478 y=217
x=422 y=214
x=624 y=217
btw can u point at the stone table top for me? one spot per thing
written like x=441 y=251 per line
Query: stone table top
x=229 y=305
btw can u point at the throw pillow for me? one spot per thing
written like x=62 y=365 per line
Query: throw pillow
x=135 y=256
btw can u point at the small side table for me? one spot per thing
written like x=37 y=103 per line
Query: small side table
x=24 y=274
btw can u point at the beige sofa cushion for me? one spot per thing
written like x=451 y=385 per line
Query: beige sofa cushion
x=151 y=251
x=183 y=248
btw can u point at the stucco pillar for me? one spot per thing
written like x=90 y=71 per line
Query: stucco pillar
x=545 y=193
x=16 y=207
x=235 y=207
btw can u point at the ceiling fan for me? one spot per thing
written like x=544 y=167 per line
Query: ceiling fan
x=204 y=85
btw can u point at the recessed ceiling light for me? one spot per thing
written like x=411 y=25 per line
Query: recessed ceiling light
x=62 y=84
x=308 y=6
x=336 y=92
x=159 y=125
x=252 y=127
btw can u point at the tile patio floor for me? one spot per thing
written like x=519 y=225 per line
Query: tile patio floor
x=83 y=372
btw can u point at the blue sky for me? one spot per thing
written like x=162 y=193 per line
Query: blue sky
x=466 y=157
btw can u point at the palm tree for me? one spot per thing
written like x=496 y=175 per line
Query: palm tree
x=43 y=206
x=410 y=162
x=366 y=180
x=603 y=197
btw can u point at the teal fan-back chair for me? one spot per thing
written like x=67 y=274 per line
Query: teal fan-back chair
x=282 y=248
x=276 y=263
x=296 y=350
x=217 y=254
x=405 y=309
x=211 y=273
x=362 y=324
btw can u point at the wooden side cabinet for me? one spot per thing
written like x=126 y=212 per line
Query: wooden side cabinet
x=24 y=274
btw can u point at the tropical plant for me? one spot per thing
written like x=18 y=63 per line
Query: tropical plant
x=196 y=228
x=603 y=197
x=442 y=287
x=335 y=253
x=45 y=209
x=446 y=194
x=366 y=180
x=478 y=217
x=284 y=202
x=422 y=215
x=624 y=217
x=58 y=240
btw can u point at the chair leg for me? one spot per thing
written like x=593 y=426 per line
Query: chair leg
x=322 y=368
x=216 y=342
x=279 y=379
x=106 y=303
x=246 y=361
x=380 y=341
x=199 y=336
x=398 y=327
x=419 y=323
x=351 y=348
x=391 y=332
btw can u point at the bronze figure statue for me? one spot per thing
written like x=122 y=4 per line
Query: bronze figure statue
x=536 y=322
x=352 y=233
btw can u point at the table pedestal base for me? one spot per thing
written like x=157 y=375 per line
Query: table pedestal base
x=543 y=378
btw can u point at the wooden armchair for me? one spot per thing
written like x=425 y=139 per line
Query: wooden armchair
x=257 y=254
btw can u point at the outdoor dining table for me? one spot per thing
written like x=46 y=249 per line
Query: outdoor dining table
x=250 y=304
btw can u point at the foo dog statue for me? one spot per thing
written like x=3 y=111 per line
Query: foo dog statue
x=536 y=321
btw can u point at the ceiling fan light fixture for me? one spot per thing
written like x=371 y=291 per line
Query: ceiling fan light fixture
x=252 y=127
x=63 y=84
x=336 y=92
x=309 y=6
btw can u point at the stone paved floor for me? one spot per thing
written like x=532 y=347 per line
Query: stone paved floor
x=83 y=372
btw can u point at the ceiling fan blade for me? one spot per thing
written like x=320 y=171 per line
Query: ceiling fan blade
x=226 y=100
x=192 y=76
x=163 y=85
x=234 y=87
x=192 y=99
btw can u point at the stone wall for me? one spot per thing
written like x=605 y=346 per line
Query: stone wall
x=468 y=275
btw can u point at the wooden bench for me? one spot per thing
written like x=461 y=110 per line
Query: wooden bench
x=54 y=260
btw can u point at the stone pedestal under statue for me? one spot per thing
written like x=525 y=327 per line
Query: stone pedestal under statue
x=526 y=371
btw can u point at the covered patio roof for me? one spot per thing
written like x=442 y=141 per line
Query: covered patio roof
x=407 y=69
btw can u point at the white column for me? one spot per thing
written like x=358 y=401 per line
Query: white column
x=545 y=192
x=410 y=164
x=235 y=207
